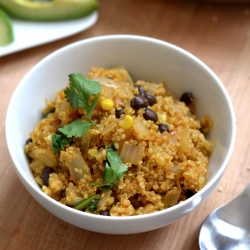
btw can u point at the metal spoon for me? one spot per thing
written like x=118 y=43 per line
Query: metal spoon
x=228 y=227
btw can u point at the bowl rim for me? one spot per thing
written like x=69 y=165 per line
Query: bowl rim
x=22 y=175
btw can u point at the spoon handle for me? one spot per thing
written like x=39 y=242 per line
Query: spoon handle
x=247 y=190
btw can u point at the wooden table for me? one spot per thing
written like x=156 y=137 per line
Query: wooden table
x=218 y=34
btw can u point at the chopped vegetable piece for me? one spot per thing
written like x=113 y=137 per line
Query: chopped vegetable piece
x=90 y=203
x=108 y=128
x=73 y=160
x=131 y=153
x=139 y=127
x=84 y=142
x=171 y=198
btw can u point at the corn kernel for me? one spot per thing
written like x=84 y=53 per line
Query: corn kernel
x=162 y=117
x=107 y=104
x=127 y=122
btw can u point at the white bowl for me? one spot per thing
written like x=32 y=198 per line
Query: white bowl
x=145 y=58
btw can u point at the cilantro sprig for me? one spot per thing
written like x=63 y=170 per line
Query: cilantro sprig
x=59 y=141
x=114 y=169
x=79 y=92
x=82 y=92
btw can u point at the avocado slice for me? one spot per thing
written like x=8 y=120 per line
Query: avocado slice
x=55 y=10
x=6 y=29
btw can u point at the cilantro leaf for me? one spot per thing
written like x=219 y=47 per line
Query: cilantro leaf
x=79 y=92
x=83 y=93
x=76 y=128
x=59 y=141
x=114 y=169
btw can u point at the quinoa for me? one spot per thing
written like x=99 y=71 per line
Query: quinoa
x=162 y=144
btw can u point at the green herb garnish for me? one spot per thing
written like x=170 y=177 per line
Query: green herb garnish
x=59 y=141
x=76 y=128
x=79 y=92
x=114 y=169
x=83 y=93
x=90 y=203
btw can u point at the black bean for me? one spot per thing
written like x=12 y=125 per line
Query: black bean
x=119 y=112
x=141 y=90
x=139 y=102
x=187 y=98
x=45 y=174
x=28 y=141
x=105 y=213
x=63 y=193
x=150 y=115
x=151 y=100
x=163 y=127
x=189 y=193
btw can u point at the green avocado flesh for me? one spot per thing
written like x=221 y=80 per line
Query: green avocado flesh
x=55 y=10
x=6 y=30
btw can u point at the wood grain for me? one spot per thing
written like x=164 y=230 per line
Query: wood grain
x=218 y=34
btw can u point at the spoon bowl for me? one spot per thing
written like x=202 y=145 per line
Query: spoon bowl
x=228 y=227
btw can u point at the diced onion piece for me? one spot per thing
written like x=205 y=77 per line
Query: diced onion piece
x=119 y=101
x=77 y=166
x=105 y=200
x=131 y=153
x=46 y=156
x=84 y=142
x=185 y=141
x=151 y=88
x=139 y=127
x=171 y=198
x=148 y=208
x=37 y=166
x=121 y=70
x=74 y=201
x=108 y=128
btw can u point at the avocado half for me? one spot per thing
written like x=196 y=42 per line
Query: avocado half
x=6 y=29
x=55 y=10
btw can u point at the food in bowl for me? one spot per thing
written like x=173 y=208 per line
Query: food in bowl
x=109 y=146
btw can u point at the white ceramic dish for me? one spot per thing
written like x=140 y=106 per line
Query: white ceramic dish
x=145 y=58
x=30 y=34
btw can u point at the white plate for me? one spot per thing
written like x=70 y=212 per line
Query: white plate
x=30 y=34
